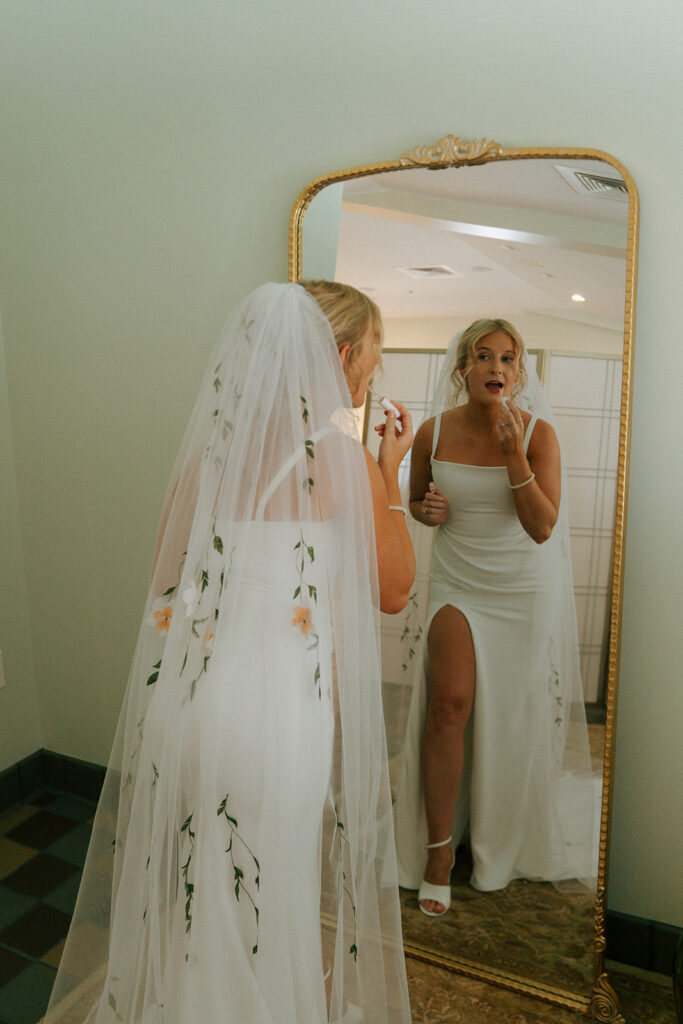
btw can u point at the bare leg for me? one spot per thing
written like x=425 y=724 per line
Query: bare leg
x=453 y=671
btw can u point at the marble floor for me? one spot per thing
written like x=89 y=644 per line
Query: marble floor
x=439 y=997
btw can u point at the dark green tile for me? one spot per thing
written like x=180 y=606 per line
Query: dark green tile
x=11 y=964
x=41 y=830
x=64 y=896
x=72 y=846
x=13 y=905
x=43 y=799
x=39 y=875
x=36 y=931
x=74 y=807
x=24 y=1000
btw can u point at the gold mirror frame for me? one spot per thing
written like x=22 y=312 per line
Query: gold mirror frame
x=454 y=152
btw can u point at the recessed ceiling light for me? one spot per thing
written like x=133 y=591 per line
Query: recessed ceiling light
x=578 y=298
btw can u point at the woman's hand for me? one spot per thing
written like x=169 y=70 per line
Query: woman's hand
x=510 y=429
x=395 y=556
x=395 y=444
x=434 y=507
x=534 y=476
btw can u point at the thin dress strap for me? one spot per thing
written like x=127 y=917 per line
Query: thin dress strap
x=284 y=470
x=529 y=432
x=437 y=428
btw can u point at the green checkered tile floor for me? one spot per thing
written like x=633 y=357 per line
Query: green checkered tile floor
x=42 y=848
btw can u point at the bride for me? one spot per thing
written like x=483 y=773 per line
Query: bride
x=242 y=867
x=496 y=743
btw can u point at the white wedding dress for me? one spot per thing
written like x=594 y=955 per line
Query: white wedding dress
x=250 y=840
x=528 y=817
x=242 y=868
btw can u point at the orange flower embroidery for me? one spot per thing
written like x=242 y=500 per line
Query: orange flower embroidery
x=302 y=618
x=162 y=619
x=207 y=640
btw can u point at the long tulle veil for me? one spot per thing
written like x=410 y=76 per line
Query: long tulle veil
x=575 y=791
x=242 y=867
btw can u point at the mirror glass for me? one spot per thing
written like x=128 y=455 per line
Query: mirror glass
x=545 y=239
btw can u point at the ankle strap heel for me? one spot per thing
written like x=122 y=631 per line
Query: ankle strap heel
x=437 y=893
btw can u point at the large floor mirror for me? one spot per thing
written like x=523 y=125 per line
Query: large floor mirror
x=546 y=238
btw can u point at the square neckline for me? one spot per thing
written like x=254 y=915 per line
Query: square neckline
x=463 y=465
x=473 y=465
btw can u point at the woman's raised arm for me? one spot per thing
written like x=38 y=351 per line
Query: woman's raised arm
x=395 y=556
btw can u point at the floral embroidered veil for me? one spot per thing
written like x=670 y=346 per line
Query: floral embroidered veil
x=242 y=865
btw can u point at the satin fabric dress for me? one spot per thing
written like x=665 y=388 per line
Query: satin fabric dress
x=512 y=798
x=254 y=867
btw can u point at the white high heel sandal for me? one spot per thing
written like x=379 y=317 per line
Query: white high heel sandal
x=437 y=893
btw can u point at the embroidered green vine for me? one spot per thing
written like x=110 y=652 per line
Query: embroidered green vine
x=555 y=691
x=155 y=674
x=412 y=630
x=212 y=617
x=238 y=872
x=340 y=834
x=310 y=452
x=305 y=555
x=172 y=590
x=111 y=1000
x=136 y=750
x=186 y=828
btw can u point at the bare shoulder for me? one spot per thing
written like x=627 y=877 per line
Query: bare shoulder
x=453 y=419
x=543 y=438
x=425 y=432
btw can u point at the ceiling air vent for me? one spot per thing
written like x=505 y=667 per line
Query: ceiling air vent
x=419 y=273
x=589 y=183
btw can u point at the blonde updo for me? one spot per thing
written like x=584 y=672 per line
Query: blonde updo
x=349 y=312
x=467 y=346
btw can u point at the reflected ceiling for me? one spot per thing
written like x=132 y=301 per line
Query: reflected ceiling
x=457 y=236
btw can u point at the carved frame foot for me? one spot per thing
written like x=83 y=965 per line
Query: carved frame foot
x=604 y=1006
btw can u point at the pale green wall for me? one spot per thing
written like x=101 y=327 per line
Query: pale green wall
x=20 y=731
x=150 y=155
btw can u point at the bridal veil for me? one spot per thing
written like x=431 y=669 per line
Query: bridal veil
x=242 y=867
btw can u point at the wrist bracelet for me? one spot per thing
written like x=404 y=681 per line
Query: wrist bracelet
x=398 y=508
x=516 y=487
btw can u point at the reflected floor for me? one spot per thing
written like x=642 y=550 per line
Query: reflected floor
x=440 y=997
x=526 y=928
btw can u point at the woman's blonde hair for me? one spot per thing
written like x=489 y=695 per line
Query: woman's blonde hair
x=467 y=346
x=349 y=312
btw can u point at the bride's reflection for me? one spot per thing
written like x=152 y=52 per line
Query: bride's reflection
x=496 y=742
x=436 y=250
